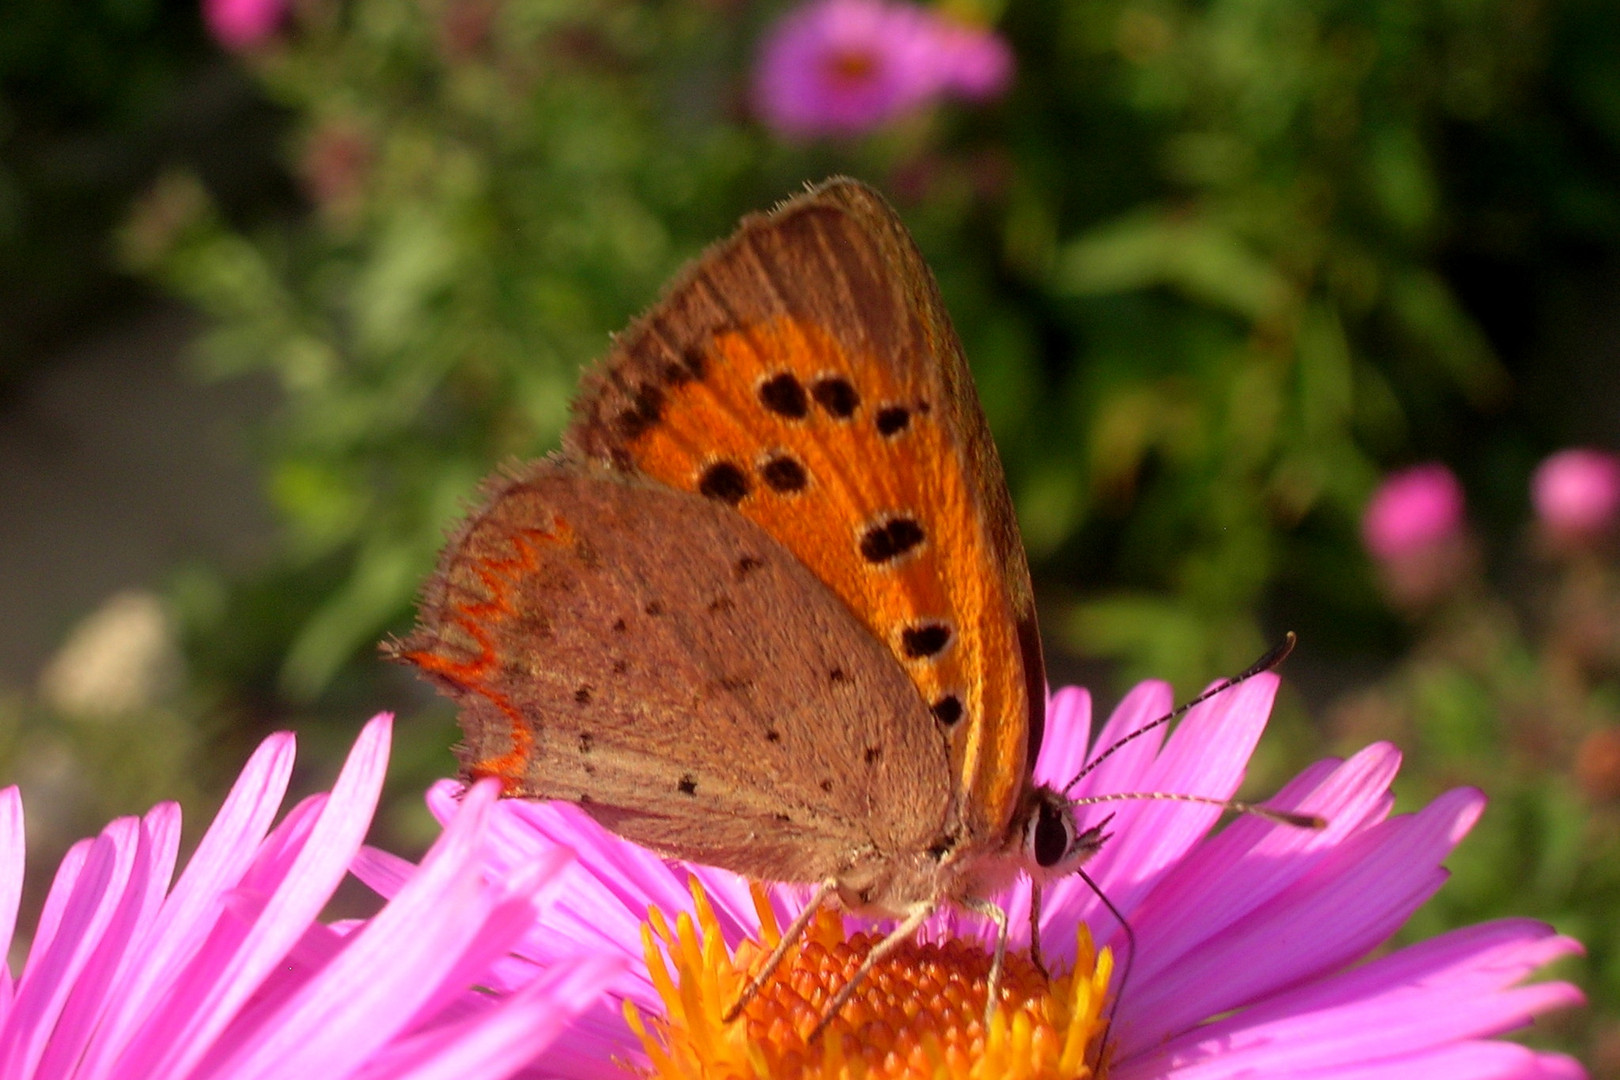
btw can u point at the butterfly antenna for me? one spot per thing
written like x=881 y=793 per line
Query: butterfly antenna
x=1282 y=817
x=1124 y=969
x=1270 y=660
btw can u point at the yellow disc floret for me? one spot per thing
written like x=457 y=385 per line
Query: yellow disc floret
x=920 y=1013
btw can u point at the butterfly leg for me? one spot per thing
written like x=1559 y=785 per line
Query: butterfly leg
x=790 y=937
x=1035 y=932
x=897 y=937
x=999 y=962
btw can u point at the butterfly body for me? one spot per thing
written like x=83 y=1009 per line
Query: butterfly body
x=769 y=609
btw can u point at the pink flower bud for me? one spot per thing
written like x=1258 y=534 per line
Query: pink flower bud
x=1413 y=511
x=243 y=24
x=1577 y=492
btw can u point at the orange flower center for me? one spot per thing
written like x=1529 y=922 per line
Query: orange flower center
x=920 y=1013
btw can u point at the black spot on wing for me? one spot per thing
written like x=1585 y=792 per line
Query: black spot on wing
x=689 y=368
x=784 y=395
x=892 y=420
x=925 y=639
x=784 y=475
x=888 y=541
x=724 y=481
x=645 y=408
x=835 y=394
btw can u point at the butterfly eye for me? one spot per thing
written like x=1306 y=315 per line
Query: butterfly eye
x=1051 y=835
x=1053 y=843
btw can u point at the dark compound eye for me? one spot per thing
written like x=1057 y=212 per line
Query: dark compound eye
x=1053 y=836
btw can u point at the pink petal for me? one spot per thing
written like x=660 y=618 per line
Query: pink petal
x=1467 y=1061
x=1424 y=999
x=1068 y=728
x=50 y=914
x=509 y=1036
x=178 y=931
x=1123 y=768
x=93 y=899
x=13 y=858
x=1252 y=860
x=233 y=963
x=1205 y=756
x=1353 y=900
x=335 y=1020
x=157 y=845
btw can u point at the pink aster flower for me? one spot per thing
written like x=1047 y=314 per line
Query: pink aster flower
x=972 y=63
x=842 y=67
x=1413 y=511
x=1577 y=492
x=1254 y=945
x=243 y=24
x=227 y=973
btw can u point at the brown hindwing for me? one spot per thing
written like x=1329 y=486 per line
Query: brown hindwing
x=667 y=665
x=805 y=373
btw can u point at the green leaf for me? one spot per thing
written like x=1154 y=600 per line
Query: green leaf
x=1195 y=257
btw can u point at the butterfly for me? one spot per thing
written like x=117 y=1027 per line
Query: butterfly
x=769 y=609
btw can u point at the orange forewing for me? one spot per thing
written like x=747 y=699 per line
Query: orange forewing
x=805 y=372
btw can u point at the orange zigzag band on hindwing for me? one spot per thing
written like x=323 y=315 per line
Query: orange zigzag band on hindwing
x=494 y=557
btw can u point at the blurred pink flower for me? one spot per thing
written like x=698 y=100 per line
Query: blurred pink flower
x=841 y=67
x=1577 y=492
x=974 y=63
x=1412 y=512
x=243 y=24
x=228 y=974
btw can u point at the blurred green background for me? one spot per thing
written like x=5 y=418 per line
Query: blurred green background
x=1219 y=267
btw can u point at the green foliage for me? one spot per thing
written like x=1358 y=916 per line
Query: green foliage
x=1196 y=256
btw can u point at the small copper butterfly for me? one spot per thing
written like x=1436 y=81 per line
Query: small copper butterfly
x=769 y=610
